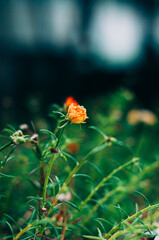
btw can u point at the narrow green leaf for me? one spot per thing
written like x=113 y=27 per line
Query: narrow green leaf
x=136 y=207
x=6 y=145
x=63 y=156
x=122 y=210
x=63 y=125
x=8 y=131
x=55 y=229
x=145 y=226
x=36 y=211
x=52 y=187
x=2 y=196
x=72 y=205
x=100 y=234
x=69 y=156
x=11 y=127
x=5 y=137
x=58 y=182
x=40 y=199
x=10 y=158
x=32 y=216
x=10 y=228
x=29 y=237
x=33 y=184
x=33 y=235
x=75 y=194
x=143 y=197
x=91 y=237
x=5 y=175
x=60 y=113
x=55 y=106
x=99 y=131
x=10 y=237
x=96 y=168
x=97 y=149
x=82 y=175
x=106 y=221
x=12 y=220
x=101 y=224
x=120 y=143
x=45 y=131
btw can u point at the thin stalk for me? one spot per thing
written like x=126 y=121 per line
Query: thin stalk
x=50 y=167
x=47 y=178
x=42 y=177
x=120 y=233
x=64 y=223
x=108 y=235
x=42 y=167
x=6 y=158
x=37 y=223
x=6 y=145
x=104 y=180
x=101 y=201
x=131 y=185
x=77 y=167
x=23 y=231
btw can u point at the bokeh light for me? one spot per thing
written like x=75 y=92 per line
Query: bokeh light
x=117 y=33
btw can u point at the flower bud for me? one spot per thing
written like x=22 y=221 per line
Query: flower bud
x=18 y=137
x=34 y=137
x=24 y=127
x=53 y=150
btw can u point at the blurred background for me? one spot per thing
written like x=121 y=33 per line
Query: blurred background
x=50 y=49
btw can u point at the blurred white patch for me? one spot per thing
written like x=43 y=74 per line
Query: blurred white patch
x=116 y=32
x=65 y=19
x=21 y=23
x=64 y=197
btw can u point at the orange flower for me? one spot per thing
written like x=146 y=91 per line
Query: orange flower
x=76 y=114
x=70 y=100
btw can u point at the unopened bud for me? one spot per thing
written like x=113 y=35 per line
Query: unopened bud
x=34 y=137
x=43 y=209
x=53 y=150
x=18 y=137
x=24 y=127
x=110 y=140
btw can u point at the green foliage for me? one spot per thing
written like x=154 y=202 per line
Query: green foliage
x=71 y=182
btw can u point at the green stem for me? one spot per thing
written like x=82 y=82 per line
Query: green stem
x=6 y=145
x=140 y=230
x=77 y=167
x=101 y=201
x=135 y=179
x=104 y=180
x=45 y=187
x=42 y=167
x=59 y=138
x=47 y=178
x=6 y=158
x=42 y=177
x=23 y=231
x=50 y=167
x=129 y=219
